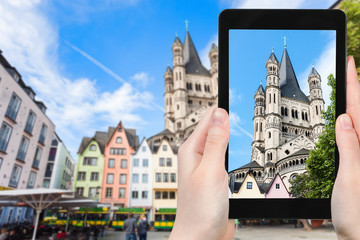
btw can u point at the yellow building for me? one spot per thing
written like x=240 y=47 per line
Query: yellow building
x=249 y=188
x=164 y=176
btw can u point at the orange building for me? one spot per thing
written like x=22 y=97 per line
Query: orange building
x=116 y=175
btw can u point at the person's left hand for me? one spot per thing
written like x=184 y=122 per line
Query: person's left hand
x=203 y=192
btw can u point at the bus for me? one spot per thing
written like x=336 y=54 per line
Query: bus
x=121 y=215
x=94 y=217
x=164 y=218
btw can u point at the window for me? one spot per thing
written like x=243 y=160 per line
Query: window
x=5 y=133
x=261 y=127
x=135 y=178
x=94 y=176
x=117 y=151
x=91 y=161
x=92 y=147
x=123 y=163
x=24 y=143
x=31 y=181
x=157 y=195
x=274 y=98
x=37 y=157
x=13 y=107
x=15 y=175
x=269 y=98
x=145 y=162
x=122 y=178
x=164 y=147
x=144 y=194
x=46 y=183
x=269 y=134
x=162 y=162
x=165 y=177
x=172 y=195
x=52 y=154
x=173 y=177
x=81 y=176
x=136 y=162
x=249 y=185
x=118 y=140
x=121 y=192
x=43 y=134
x=145 y=178
x=165 y=195
x=143 y=149
x=168 y=162
x=111 y=163
x=158 y=177
x=277 y=186
x=92 y=192
x=80 y=191
x=110 y=178
x=317 y=112
x=108 y=193
x=135 y=194
x=1 y=160
x=30 y=122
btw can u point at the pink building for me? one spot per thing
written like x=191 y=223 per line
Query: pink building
x=116 y=174
x=277 y=189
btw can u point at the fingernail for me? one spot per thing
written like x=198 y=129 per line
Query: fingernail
x=346 y=122
x=218 y=117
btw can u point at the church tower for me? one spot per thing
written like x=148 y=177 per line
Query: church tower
x=316 y=103
x=272 y=117
x=180 y=93
x=258 y=125
x=168 y=98
x=213 y=55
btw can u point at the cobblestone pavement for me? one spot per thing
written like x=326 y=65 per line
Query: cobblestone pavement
x=246 y=233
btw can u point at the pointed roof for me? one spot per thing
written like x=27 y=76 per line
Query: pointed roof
x=273 y=58
x=288 y=82
x=191 y=58
x=313 y=72
x=213 y=47
x=168 y=70
x=177 y=40
x=260 y=90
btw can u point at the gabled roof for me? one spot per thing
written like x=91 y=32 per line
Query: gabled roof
x=177 y=40
x=192 y=60
x=288 y=82
x=313 y=72
x=132 y=137
x=272 y=182
x=252 y=164
x=273 y=58
x=260 y=90
x=302 y=151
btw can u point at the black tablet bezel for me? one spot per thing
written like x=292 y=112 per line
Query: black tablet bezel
x=282 y=19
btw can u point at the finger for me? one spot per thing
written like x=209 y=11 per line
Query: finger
x=348 y=145
x=316 y=223
x=353 y=93
x=216 y=140
x=192 y=149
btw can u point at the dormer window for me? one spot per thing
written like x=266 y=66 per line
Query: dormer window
x=92 y=147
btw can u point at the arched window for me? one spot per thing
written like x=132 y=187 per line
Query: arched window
x=296 y=131
x=306 y=117
x=302 y=116
x=269 y=134
x=286 y=111
x=317 y=112
x=296 y=114
x=260 y=110
x=282 y=111
x=257 y=126
x=269 y=97
x=261 y=127
x=292 y=113
x=256 y=111
x=92 y=147
x=274 y=98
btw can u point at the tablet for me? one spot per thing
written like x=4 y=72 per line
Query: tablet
x=276 y=68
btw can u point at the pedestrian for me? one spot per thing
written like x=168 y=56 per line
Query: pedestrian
x=143 y=227
x=237 y=224
x=130 y=227
x=4 y=233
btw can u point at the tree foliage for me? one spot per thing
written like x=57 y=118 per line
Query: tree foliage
x=319 y=180
x=352 y=10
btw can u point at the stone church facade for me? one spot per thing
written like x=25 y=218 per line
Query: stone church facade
x=190 y=90
x=286 y=124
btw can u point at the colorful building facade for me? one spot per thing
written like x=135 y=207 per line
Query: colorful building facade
x=116 y=175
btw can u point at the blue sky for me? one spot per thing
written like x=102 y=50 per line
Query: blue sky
x=248 y=52
x=95 y=63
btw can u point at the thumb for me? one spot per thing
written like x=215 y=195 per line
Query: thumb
x=217 y=139
x=348 y=144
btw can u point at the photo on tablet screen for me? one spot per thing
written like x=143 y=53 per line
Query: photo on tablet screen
x=279 y=107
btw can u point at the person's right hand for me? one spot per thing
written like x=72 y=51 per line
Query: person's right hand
x=345 y=202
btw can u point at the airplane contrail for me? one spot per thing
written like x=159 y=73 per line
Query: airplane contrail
x=108 y=71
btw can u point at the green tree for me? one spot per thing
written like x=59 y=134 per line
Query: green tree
x=319 y=180
x=352 y=10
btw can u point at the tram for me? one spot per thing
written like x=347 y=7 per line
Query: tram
x=121 y=215
x=92 y=216
x=165 y=218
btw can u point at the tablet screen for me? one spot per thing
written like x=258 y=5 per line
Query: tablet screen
x=279 y=106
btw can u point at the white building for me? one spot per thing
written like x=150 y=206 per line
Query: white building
x=60 y=167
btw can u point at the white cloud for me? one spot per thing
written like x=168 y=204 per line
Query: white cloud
x=267 y=3
x=235 y=128
x=234 y=97
x=325 y=65
x=204 y=53
x=141 y=79
x=30 y=43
